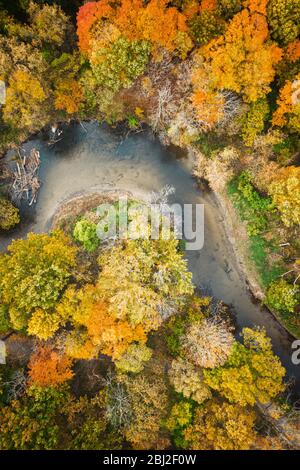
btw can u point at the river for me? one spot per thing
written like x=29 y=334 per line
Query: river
x=96 y=158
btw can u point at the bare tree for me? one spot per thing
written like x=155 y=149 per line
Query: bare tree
x=118 y=407
x=164 y=106
x=16 y=384
x=284 y=424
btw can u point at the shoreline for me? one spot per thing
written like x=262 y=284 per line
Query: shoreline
x=252 y=283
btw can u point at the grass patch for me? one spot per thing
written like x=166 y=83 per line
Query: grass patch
x=290 y=321
x=257 y=211
x=259 y=249
x=209 y=144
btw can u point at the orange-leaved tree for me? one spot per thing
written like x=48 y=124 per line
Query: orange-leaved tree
x=293 y=51
x=288 y=111
x=87 y=16
x=209 y=5
x=68 y=96
x=48 y=367
x=243 y=59
x=96 y=329
x=207 y=102
x=161 y=24
x=257 y=6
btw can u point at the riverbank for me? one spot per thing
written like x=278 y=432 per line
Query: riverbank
x=234 y=228
x=248 y=250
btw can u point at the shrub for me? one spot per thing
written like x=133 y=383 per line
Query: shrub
x=259 y=249
x=86 y=233
x=5 y=323
x=252 y=207
x=287 y=150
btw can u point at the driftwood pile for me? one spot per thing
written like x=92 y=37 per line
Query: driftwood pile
x=25 y=183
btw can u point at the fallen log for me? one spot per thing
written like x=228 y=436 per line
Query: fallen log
x=25 y=183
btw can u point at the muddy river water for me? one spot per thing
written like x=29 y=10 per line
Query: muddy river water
x=96 y=158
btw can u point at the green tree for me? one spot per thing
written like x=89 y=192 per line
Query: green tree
x=254 y=121
x=282 y=296
x=34 y=273
x=86 y=233
x=9 y=214
x=30 y=423
x=88 y=426
x=228 y=8
x=5 y=323
x=221 y=426
x=284 y=20
x=251 y=374
x=180 y=417
x=205 y=26
x=134 y=358
x=118 y=65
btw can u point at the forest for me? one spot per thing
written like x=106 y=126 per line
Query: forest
x=111 y=345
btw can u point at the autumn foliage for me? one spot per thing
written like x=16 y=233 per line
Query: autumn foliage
x=119 y=350
x=221 y=426
x=68 y=96
x=87 y=16
x=48 y=367
x=243 y=60
x=97 y=330
x=288 y=111
x=155 y=22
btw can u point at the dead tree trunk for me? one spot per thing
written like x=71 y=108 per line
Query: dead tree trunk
x=25 y=183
